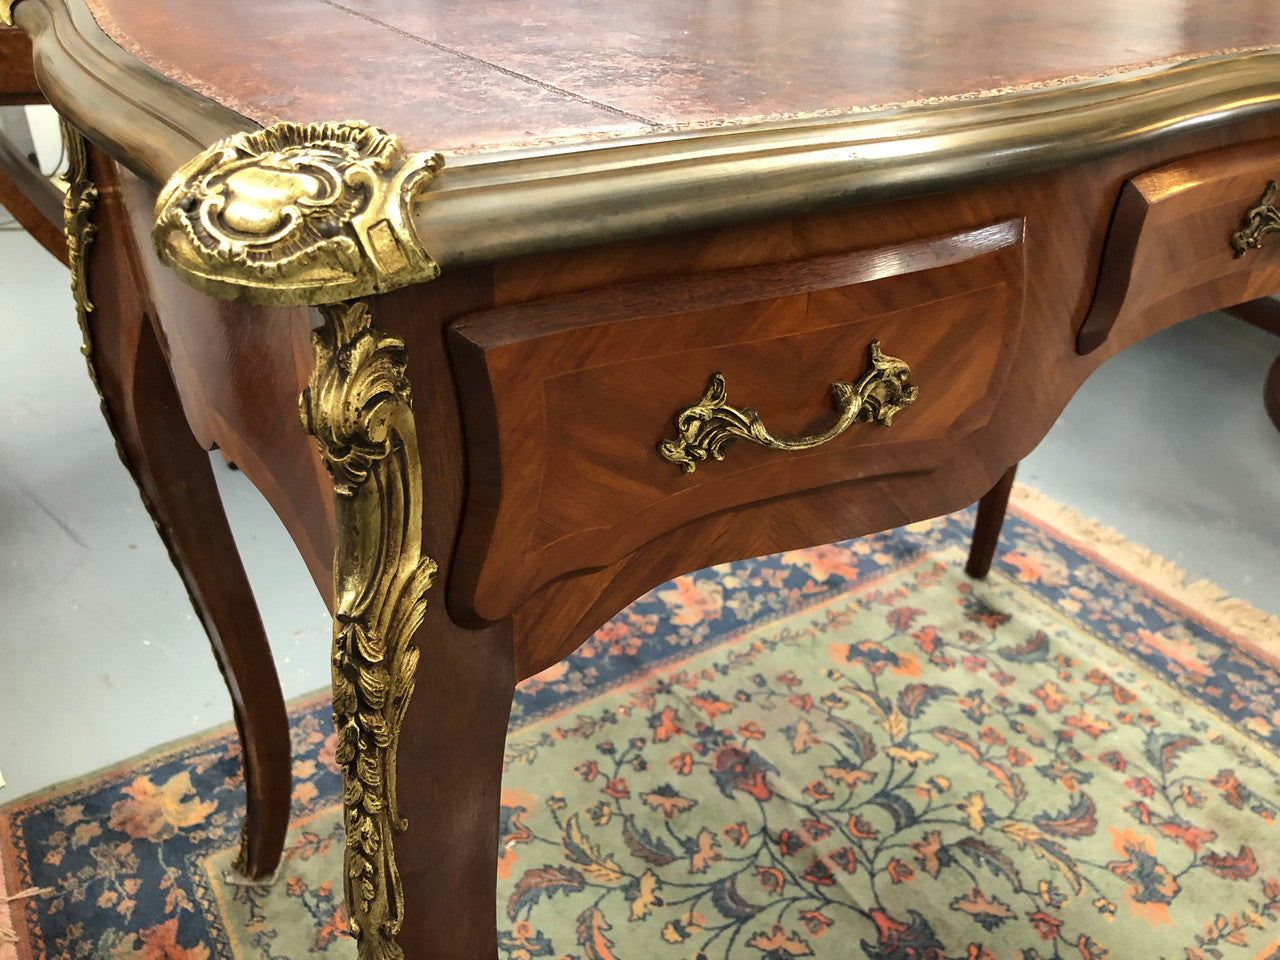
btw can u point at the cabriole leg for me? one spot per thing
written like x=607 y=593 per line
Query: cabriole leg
x=175 y=479
x=986 y=529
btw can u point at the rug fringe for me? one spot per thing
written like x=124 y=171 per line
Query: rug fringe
x=30 y=893
x=1237 y=616
x=8 y=936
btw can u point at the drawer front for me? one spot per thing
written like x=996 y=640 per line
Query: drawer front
x=1183 y=233
x=569 y=402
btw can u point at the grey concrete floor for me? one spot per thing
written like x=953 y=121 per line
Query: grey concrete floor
x=101 y=657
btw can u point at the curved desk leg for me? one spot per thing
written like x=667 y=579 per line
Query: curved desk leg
x=1271 y=393
x=453 y=744
x=428 y=892
x=1265 y=314
x=175 y=479
x=986 y=529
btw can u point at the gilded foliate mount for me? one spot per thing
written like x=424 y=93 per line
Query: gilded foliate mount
x=358 y=409
x=78 y=206
x=297 y=214
x=1258 y=221
x=706 y=428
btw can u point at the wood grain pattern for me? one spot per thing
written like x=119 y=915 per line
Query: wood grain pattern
x=454 y=733
x=585 y=386
x=17 y=78
x=1170 y=236
x=1067 y=216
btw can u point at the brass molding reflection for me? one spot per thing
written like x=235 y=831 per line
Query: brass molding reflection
x=6 y=12
x=358 y=409
x=708 y=426
x=297 y=214
x=1259 y=220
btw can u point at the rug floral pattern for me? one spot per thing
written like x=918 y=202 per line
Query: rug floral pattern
x=847 y=751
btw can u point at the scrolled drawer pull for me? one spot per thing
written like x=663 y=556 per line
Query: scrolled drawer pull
x=708 y=426
x=1259 y=220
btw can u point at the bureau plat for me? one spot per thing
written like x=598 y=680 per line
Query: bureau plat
x=691 y=288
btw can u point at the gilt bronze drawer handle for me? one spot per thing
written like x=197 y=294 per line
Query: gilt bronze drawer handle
x=709 y=425
x=1258 y=221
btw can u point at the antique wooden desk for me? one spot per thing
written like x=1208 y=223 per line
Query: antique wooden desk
x=648 y=223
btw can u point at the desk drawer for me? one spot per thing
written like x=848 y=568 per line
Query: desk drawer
x=568 y=401
x=1176 y=235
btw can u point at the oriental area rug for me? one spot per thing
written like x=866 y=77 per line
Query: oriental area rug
x=851 y=751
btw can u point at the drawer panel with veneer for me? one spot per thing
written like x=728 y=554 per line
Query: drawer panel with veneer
x=1178 y=244
x=569 y=400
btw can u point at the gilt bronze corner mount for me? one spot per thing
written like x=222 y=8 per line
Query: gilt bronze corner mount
x=297 y=214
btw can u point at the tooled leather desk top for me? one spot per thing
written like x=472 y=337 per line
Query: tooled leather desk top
x=461 y=75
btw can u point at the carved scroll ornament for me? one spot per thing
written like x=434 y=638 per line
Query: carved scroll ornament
x=1259 y=220
x=357 y=407
x=297 y=214
x=705 y=428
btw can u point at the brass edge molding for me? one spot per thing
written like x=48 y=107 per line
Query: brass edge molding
x=6 y=12
x=490 y=207
x=297 y=214
x=357 y=407
x=148 y=122
x=706 y=427
x=1258 y=221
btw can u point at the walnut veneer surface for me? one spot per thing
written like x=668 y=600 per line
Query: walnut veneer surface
x=457 y=75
